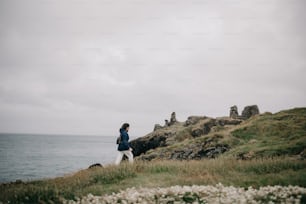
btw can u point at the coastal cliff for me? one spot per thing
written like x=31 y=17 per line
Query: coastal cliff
x=245 y=136
x=258 y=158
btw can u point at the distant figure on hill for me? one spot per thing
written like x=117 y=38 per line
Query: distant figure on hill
x=124 y=147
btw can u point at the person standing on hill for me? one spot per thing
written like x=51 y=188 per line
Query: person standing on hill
x=124 y=147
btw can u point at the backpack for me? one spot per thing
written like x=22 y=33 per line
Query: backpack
x=118 y=140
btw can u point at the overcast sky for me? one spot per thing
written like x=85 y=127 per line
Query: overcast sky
x=85 y=67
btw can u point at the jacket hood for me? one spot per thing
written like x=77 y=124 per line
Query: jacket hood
x=121 y=130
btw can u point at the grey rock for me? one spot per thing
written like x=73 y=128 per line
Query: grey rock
x=228 y=121
x=197 y=132
x=213 y=152
x=173 y=119
x=250 y=111
x=234 y=112
x=144 y=144
x=199 y=153
x=166 y=123
x=157 y=127
x=204 y=129
x=193 y=120
x=95 y=165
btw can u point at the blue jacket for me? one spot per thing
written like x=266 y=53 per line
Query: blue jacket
x=124 y=143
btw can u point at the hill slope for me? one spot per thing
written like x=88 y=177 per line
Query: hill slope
x=263 y=135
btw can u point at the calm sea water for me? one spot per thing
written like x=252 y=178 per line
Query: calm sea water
x=30 y=157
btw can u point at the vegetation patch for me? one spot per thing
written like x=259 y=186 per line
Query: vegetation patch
x=271 y=151
x=229 y=171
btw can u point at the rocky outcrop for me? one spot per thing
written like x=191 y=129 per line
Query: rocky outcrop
x=209 y=148
x=173 y=119
x=95 y=166
x=234 y=112
x=204 y=128
x=190 y=154
x=206 y=124
x=204 y=137
x=194 y=127
x=250 y=111
x=144 y=144
x=228 y=121
x=157 y=127
x=191 y=120
x=247 y=112
x=167 y=123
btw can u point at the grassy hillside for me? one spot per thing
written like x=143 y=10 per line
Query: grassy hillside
x=99 y=181
x=283 y=133
x=267 y=149
x=265 y=135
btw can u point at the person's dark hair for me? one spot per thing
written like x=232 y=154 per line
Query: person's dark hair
x=125 y=125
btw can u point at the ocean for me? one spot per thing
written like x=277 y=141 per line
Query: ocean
x=29 y=157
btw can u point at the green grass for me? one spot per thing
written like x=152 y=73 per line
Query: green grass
x=283 y=133
x=265 y=135
x=272 y=141
x=99 y=181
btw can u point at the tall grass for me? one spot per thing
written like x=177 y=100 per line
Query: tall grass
x=98 y=181
x=283 y=133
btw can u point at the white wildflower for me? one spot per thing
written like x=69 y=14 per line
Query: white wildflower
x=209 y=194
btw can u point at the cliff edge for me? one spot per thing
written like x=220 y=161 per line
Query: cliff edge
x=246 y=136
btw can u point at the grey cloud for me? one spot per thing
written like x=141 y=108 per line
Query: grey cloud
x=85 y=67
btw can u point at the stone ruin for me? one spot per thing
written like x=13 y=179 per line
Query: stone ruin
x=247 y=112
x=167 y=123
x=172 y=119
x=157 y=127
x=234 y=112
x=250 y=111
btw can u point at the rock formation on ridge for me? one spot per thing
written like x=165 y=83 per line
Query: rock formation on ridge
x=173 y=119
x=198 y=137
x=250 y=111
x=234 y=112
